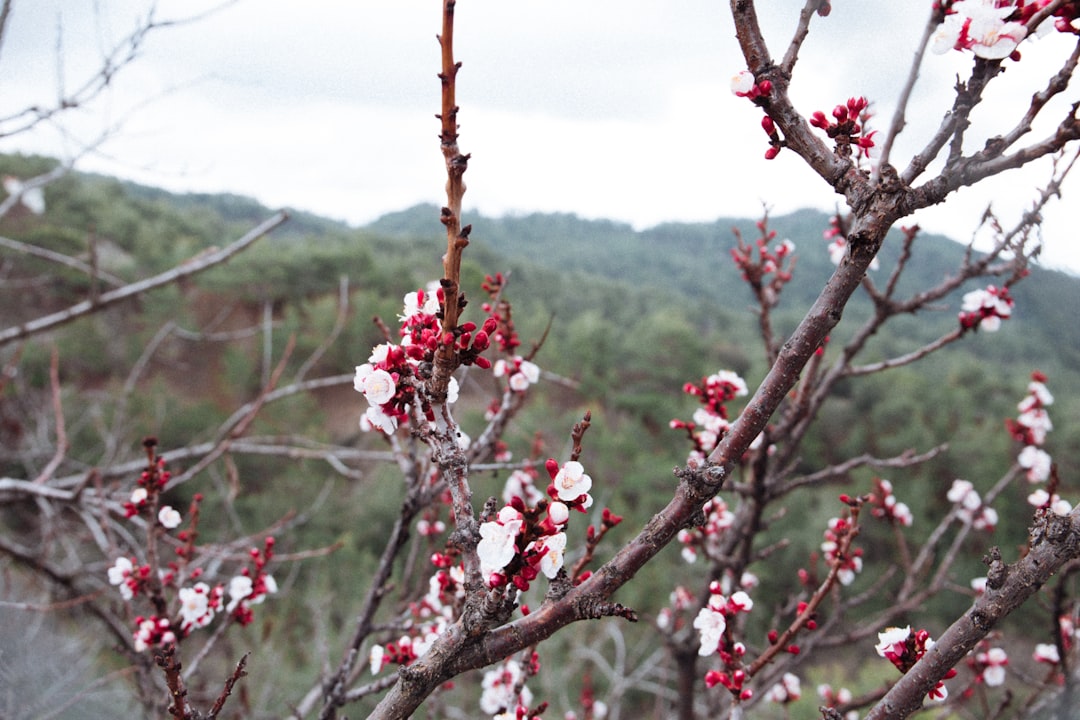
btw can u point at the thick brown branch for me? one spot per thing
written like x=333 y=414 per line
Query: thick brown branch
x=1056 y=540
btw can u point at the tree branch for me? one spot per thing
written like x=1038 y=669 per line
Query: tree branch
x=137 y=288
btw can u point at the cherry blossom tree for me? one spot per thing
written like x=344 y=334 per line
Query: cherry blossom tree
x=506 y=573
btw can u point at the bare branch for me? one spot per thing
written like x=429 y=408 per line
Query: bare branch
x=137 y=288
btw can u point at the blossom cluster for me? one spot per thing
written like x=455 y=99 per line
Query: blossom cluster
x=198 y=603
x=429 y=616
x=705 y=538
x=712 y=626
x=985 y=309
x=970 y=507
x=993 y=30
x=982 y=26
x=710 y=422
x=522 y=542
x=519 y=372
x=392 y=377
x=504 y=691
x=148 y=487
x=1030 y=428
x=885 y=506
x=849 y=563
x=903 y=648
x=988 y=665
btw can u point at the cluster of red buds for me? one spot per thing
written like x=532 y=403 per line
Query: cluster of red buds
x=499 y=311
x=778 y=261
x=422 y=334
x=153 y=631
x=847 y=126
x=151 y=481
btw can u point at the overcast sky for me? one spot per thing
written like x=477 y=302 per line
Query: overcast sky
x=614 y=109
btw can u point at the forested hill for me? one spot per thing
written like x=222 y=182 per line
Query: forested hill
x=643 y=311
x=692 y=260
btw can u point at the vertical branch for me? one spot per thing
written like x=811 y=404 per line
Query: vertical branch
x=457 y=237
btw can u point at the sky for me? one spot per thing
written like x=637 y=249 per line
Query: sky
x=617 y=109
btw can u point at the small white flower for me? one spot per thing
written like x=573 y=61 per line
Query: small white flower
x=497 y=540
x=571 y=482
x=888 y=640
x=118 y=575
x=530 y=371
x=168 y=517
x=1036 y=461
x=377 y=385
x=1046 y=653
x=138 y=495
x=375 y=658
x=195 y=610
x=240 y=587
x=741 y=601
x=552 y=548
x=711 y=624
x=413 y=306
x=375 y=418
x=742 y=82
